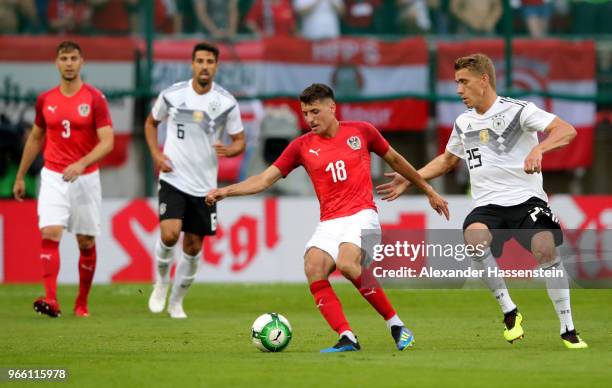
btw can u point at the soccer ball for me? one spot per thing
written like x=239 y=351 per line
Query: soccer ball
x=271 y=332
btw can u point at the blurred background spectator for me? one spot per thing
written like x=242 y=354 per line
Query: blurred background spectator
x=535 y=14
x=312 y=19
x=439 y=15
x=271 y=18
x=413 y=16
x=218 y=18
x=111 y=16
x=70 y=16
x=319 y=19
x=476 y=16
x=366 y=17
x=17 y=16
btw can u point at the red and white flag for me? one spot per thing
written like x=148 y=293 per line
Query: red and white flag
x=283 y=66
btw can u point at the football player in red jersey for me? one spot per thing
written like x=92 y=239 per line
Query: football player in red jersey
x=74 y=126
x=336 y=156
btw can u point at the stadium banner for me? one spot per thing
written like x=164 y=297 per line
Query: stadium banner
x=548 y=65
x=27 y=65
x=262 y=239
x=284 y=66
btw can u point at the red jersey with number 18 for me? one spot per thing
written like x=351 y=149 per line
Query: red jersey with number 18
x=70 y=124
x=339 y=167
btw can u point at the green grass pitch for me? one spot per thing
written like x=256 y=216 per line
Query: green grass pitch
x=458 y=339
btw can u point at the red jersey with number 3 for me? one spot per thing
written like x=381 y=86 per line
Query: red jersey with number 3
x=339 y=167
x=71 y=125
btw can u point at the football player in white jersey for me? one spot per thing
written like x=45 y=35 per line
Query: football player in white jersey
x=196 y=112
x=497 y=137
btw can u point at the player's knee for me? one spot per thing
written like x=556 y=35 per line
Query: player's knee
x=170 y=237
x=348 y=268
x=543 y=251
x=192 y=244
x=51 y=233
x=474 y=237
x=477 y=243
x=86 y=242
x=192 y=248
x=314 y=270
x=316 y=267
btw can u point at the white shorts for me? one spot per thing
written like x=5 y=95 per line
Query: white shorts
x=331 y=233
x=73 y=205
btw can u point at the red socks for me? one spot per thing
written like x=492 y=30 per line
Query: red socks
x=377 y=298
x=329 y=305
x=49 y=257
x=87 y=268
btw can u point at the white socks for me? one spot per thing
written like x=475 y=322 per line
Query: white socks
x=163 y=257
x=558 y=291
x=183 y=277
x=394 y=321
x=497 y=285
x=349 y=334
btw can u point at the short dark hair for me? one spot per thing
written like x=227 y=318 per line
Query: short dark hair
x=477 y=63
x=68 y=45
x=205 y=46
x=316 y=92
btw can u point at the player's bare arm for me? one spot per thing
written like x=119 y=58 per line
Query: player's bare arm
x=401 y=165
x=251 y=185
x=398 y=185
x=159 y=158
x=32 y=148
x=560 y=134
x=206 y=21
x=235 y=148
x=103 y=148
x=233 y=19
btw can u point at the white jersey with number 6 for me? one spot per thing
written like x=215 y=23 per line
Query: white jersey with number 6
x=194 y=123
x=495 y=145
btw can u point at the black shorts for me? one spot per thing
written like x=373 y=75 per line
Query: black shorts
x=520 y=221
x=198 y=218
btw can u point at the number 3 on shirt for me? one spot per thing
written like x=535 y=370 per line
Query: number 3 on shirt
x=66 y=131
x=338 y=170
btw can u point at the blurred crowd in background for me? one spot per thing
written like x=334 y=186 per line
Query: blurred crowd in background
x=240 y=20
x=311 y=19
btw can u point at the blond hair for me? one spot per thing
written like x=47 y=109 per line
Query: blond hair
x=477 y=63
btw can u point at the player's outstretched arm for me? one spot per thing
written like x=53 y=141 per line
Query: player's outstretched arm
x=401 y=165
x=398 y=185
x=560 y=134
x=235 y=148
x=251 y=185
x=161 y=161
x=103 y=148
x=33 y=146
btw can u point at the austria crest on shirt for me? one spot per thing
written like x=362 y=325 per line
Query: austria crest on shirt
x=84 y=110
x=354 y=142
